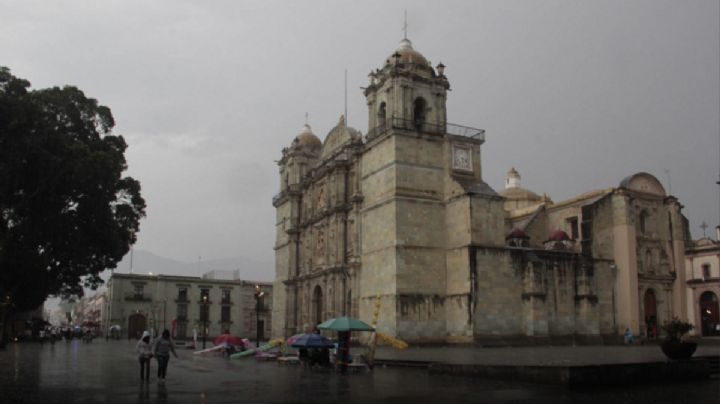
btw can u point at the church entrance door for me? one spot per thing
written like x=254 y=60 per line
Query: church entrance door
x=650 y=314
x=709 y=317
x=136 y=325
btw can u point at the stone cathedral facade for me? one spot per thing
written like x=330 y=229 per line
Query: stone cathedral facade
x=402 y=214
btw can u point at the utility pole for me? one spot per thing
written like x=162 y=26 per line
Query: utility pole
x=258 y=295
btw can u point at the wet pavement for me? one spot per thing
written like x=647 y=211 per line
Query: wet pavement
x=108 y=372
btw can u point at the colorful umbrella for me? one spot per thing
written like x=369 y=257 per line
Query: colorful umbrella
x=293 y=338
x=312 y=341
x=345 y=324
x=228 y=340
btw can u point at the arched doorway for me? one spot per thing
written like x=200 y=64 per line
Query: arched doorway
x=709 y=313
x=650 y=306
x=317 y=304
x=136 y=325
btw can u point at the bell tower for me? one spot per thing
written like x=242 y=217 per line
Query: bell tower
x=407 y=93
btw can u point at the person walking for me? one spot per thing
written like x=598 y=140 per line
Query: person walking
x=161 y=349
x=144 y=351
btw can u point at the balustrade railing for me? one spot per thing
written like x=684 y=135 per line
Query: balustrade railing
x=426 y=127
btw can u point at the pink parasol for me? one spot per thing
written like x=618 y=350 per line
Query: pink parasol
x=293 y=338
x=228 y=339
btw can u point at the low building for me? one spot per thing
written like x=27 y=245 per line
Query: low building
x=217 y=302
x=702 y=269
x=89 y=312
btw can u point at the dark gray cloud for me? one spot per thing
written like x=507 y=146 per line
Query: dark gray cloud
x=575 y=94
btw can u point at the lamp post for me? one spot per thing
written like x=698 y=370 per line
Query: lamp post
x=205 y=315
x=258 y=295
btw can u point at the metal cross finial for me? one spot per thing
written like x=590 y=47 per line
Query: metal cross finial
x=704 y=226
x=306 y=118
x=404 y=28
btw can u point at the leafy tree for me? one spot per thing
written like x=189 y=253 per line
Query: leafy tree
x=66 y=211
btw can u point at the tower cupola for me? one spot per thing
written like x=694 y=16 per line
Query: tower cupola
x=512 y=179
x=306 y=138
x=407 y=93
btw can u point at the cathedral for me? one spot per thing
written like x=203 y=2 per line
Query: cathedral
x=402 y=214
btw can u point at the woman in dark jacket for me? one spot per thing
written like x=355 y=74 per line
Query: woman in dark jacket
x=161 y=350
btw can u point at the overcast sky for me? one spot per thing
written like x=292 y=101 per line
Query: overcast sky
x=575 y=94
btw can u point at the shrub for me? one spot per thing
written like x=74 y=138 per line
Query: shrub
x=675 y=329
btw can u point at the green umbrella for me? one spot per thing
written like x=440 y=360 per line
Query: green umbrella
x=345 y=324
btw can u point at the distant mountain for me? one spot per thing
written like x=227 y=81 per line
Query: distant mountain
x=144 y=262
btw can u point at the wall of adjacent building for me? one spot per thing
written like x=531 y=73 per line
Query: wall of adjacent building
x=159 y=303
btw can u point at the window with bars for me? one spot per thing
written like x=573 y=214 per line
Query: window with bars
x=181 y=330
x=182 y=311
x=226 y=296
x=182 y=294
x=205 y=295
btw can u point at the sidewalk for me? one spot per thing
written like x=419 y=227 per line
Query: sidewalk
x=537 y=355
x=572 y=366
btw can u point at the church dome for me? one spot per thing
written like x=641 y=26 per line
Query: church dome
x=514 y=192
x=521 y=194
x=407 y=54
x=307 y=138
x=339 y=136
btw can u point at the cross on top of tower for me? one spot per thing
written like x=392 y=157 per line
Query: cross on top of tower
x=704 y=227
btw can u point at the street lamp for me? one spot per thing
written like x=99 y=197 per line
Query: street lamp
x=205 y=313
x=258 y=295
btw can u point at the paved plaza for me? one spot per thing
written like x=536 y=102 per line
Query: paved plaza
x=107 y=372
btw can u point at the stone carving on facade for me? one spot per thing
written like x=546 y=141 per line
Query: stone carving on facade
x=321 y=198
x=332 y=244
x=320 y=247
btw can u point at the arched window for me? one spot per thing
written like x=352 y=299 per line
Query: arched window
x=643 y=221
x=706 y=271
x=419 y=107
x=382 y=114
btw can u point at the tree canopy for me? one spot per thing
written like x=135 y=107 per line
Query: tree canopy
x=67 y=213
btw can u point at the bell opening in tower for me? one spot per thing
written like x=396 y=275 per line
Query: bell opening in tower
x=419 y=106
